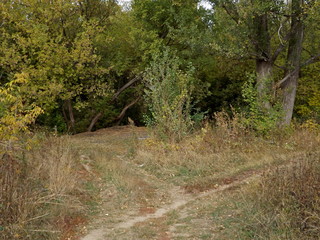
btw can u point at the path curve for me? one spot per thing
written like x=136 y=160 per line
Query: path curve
x=180 y=200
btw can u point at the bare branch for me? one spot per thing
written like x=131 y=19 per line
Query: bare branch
x=311 y=60
x=123 y=112
x=114 y=97
x=281 y=67
x=94 y=121
x=281 y=82
x=128 y=84
x=282 y=45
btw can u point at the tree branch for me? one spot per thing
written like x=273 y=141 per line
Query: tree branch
x=282 y=81
x=114 y=97
x=128 y=84
x=94 y=121
x=231 y=11
x=311 y=60
x=282 y=45
x=123 y=112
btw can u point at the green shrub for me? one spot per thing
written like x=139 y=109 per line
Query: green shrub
x=258 y=117
x=169 y=97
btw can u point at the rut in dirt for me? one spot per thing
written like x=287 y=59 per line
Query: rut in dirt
x=180 y=200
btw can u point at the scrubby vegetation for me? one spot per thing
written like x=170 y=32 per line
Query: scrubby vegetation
x=288 y=201
x=282 y=204
x=43 y=193
x=226 y=91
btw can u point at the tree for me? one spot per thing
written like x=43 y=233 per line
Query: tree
x=293 y=62
x=272 y=27
x=51 y=44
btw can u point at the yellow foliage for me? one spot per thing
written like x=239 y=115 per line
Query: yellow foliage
x=311 y=125
x=15 y=113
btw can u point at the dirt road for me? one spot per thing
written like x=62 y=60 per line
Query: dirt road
x=135 y=204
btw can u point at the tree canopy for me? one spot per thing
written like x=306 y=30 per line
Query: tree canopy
x=78 y=65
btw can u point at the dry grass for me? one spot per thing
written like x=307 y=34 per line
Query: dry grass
x=217 y=155
x=124 y=186
x=120 y=171
x=40 y=189
x=283 y=204
x=288 y=201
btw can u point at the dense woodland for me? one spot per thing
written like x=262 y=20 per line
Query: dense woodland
x=81 y=65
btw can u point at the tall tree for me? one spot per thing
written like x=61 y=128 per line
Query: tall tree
x=271 y=27
x=289 y=86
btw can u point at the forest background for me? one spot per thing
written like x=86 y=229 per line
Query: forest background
x=75 y=66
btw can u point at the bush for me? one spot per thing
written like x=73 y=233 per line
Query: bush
x=258 y=117
x=169 y=95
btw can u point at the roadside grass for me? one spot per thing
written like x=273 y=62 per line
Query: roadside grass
x=137 y=174
x=124 y=187
x=42 y=192
x=220 y=155
x=282 y=204
x=64 y=182
x=134 y=174
x=288 y=201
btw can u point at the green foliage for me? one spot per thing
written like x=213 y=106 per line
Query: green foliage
x=258 y=117
x=75 y=56
x=15 y=114
x=178 y=24
x=308 y=95
x=51 y=47
x=168 y=94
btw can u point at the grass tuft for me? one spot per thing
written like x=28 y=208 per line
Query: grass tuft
x=40 y=189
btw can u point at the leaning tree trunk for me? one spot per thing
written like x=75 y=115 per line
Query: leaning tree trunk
x=289 y=87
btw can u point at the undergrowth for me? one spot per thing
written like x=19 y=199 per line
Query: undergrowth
x=221 y=151
x=41 y=189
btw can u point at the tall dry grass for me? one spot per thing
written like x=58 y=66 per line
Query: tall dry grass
x=222 y=152
x=39 y=189
x=287 y=202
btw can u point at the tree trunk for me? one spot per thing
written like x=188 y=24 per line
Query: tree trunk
x=94 y=121
x=264 y=82
x=289 y=87
x=71 y=115
x=261 y=40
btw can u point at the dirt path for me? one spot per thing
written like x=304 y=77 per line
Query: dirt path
x=135 y=203
x=180 y=200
